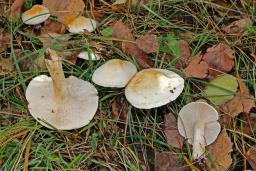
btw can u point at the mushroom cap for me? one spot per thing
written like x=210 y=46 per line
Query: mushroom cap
x=199 y=111
x=36 y=15
x=85 y=55
x=114 y=73
x=153 y=87
x=76 y=110
x=80 y=24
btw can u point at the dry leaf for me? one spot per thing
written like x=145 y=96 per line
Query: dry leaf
x=219 y=153
x=14 y=12
x=6 y=67
x=118 y=2
x=220 y=59
x=52 y=27
x=121 y=31
x=119 y=108
x=148 y=43
x=197 y=68
x=171 y=132
x=4 y=40
x=242 y=102
x=185 y=55
x=167 y=161
x=140 y=56
x=252 y=156
x=237 y=27
x=249 y=123
x=49 y=39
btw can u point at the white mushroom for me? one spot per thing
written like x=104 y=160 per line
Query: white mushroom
x=152 y=88
x=114 y=73
x=198 y=123
x=87 y=56
x=80 y=24
x=36 y=15
x=63 y=103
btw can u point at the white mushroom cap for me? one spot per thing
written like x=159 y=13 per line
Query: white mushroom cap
x=114 y=73
x=152 y=88
x=80 y=24
x=36 y=15
x=63 y=103
x=85 y=55
x=199 y=115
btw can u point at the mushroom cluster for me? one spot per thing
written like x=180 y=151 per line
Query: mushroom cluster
x=197 y=121
x=146 y=89
x=39 y=13
x=59 y=102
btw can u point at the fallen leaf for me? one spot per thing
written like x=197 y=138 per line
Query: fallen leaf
x=167 y=161
x=221 y=89
x=148 y=43
x=140 y=56
x=13 y=14
x=249 y=123
x=242 y=102
x=6 y=66
x=52 y=27
x=118 y=2
x=65 y=9
x=220 y=59
x=17 y=5
x=185 y=55
x=219 y=156
x=119 y=108
x=4 y=40
x=49 y=39
x=237 y=27
x=121 y=31
x=197 y=68
x=171 y=132
x=252 y=156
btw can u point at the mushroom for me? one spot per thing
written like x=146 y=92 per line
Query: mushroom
x=114 y=73
x=80 y=24
x=36 y=15
x=89 y=55
x=153 y=87
x=59 y=102
x=198 y=123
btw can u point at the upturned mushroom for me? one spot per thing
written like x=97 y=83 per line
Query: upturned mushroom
x=80 y=24
x=114 y=73
x=59 y=102
x=36 y=15
x=197 y=121
x=153 y=87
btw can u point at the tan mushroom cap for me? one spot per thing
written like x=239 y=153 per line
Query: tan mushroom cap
x=199 y=112
x=59 y=102
x=36 y=15
x=114 y=73
x=152 y=88
x=80 y=24
x=85 y=55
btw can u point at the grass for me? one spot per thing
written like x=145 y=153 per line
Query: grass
x=107 y=144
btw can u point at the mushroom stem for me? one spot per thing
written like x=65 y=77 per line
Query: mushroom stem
x=198 y=140
x=54 y=66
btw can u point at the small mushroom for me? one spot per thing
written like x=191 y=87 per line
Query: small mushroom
x=80 y=24
x=63 y=103
x=114 y=73
x=36 y=15
x=198 y=123
x=89 y=55
x=152 y=88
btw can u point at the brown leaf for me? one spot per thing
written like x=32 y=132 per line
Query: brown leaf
x=148 y=43
x=237 y=27
x=65 y=9
x=121 y=31
x=197 y=68
x=52 y=27
x=4 y=40
x=14 y=12
x=119 y=108
x=242 y=102
x=220 y=59
x=49 y=39
x=6 y=67
x=219 y=153
x=252 y=156
x=171 y=132
x=185 y=55
x=249 y=123
x=167 y=161
x=140 y=56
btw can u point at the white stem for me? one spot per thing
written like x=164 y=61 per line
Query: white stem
x=54 y=66
x=198 y=140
